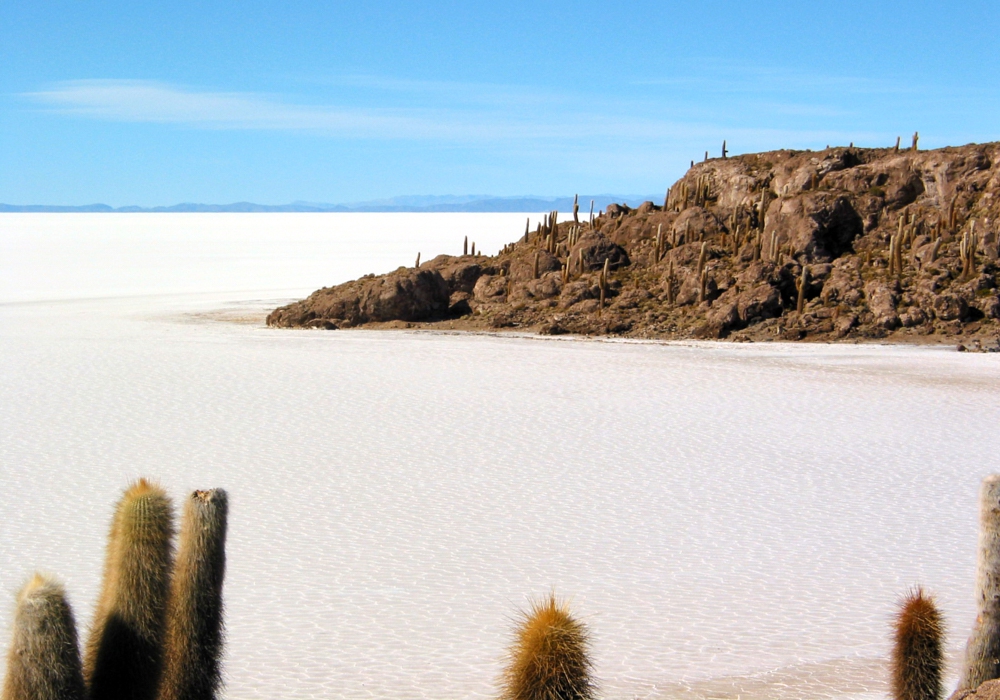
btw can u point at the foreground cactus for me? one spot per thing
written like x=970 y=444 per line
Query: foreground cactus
x=982 y=652
x=149 y=639
x=125 y=650
x=918 y=653
x=549 y=657
x=44 y=660
x=194 y=617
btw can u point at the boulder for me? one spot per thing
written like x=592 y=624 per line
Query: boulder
x=990 y=690
x=596 y=248
x=408 y=294
x=758 y=304
x=882 y=303
x=950 y=307
x=461 y=275
x=820 y=225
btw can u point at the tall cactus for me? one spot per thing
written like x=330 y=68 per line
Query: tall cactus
x=124 y=654
x=549 y=658
x=194 y=614
x=44 y=660
x=917 y=662
x=982 y=652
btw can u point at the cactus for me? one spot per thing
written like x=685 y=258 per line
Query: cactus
x=725 y=153
x=465 y=244
x=702 y=257
x=534 y=267
x=917 y=662
x=125 y=650
x=982 y=652
x=549 y=657
x=194 y=615
x=703 y=286
x=916 y=138
x=896 y=149
x=576 y=208
x=967 y=251
x=591 y=213
x=44 y=660
x=417 y=263
x=934 y=250
x=800 y=303
x=527 y=228
x=670 y=282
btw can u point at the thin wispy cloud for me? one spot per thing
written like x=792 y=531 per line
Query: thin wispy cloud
x=148 y=101
x=142 y=101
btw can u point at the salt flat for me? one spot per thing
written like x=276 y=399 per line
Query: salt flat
x=729 y=520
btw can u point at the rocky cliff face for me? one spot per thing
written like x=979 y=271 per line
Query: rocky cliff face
x=837 y=244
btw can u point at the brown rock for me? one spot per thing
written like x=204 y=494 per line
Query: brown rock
x=990 y=690
x=461 y=276
x=407 y=294
x=758 y=304
x=596 y=248
x=820 y=225
x=882 y=303
x=490 y=288
x=950 y=307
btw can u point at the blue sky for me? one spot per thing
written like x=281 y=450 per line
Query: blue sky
x=158 y=103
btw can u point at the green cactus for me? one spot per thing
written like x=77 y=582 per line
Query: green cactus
x=124 y=653
x=44 y=659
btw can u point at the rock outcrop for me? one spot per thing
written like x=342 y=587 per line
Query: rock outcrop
x=845 y=243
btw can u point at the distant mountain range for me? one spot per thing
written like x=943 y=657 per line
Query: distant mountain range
x=411 y=203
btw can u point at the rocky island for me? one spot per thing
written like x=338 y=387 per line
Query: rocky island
x=840 y=244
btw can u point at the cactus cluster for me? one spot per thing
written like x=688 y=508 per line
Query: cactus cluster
x=157 y=629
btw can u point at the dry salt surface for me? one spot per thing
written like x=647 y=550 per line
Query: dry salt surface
x=730 y=521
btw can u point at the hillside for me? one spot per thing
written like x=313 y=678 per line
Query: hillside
x=845 y=243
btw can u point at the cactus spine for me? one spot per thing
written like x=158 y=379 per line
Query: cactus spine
x=982 y=652
x=918 y=652
x=549 y=657
x=124 y=653
x=194 y=615
x=44 y=660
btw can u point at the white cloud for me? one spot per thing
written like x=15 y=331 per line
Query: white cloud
x=559 y=125
x=148 y=101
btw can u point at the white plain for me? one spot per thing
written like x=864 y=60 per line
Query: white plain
x=728 y=520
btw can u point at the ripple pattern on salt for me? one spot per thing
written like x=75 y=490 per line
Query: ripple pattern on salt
x=713 y=514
